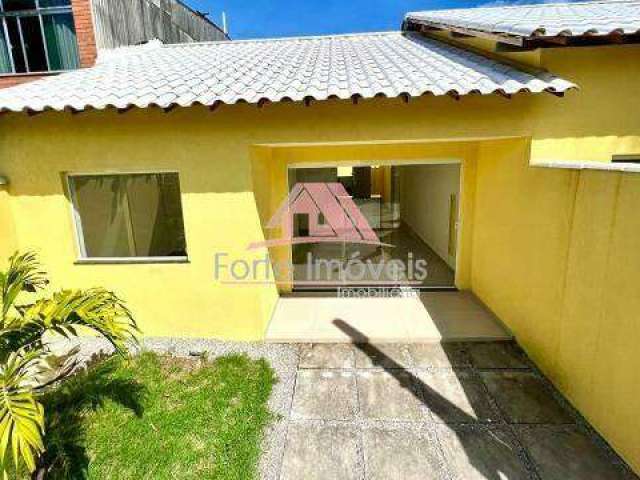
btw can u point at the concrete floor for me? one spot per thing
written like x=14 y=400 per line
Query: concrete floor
x=425 y=411
x=433 y=316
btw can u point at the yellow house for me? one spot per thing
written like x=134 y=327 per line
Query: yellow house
x=154 y=171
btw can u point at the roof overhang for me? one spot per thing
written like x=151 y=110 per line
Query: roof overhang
x=306 y=70
x=506 y=42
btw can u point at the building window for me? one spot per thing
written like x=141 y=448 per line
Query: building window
x=626 y=158
x=128 y=216
x=37 y=36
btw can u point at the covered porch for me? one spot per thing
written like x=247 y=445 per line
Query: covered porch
x=419 y=199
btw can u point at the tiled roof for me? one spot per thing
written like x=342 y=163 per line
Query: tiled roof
x=366 y=65
x=547 y=19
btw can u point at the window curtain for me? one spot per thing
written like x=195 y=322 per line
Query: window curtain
x=62 y=46
x=5 y=60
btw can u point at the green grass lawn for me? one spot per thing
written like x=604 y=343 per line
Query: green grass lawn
x=155 y=417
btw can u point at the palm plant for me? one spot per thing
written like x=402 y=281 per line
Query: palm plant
x=27 y=365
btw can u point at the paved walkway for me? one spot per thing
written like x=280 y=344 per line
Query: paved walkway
x=429 y=317
x=422 y=411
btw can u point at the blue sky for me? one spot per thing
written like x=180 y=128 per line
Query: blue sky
x=284 y=18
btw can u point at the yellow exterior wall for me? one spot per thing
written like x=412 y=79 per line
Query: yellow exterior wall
x=8 y=240
x=225 y=188
x=592 y=125
x=601 y=115
x=555 y=256
x=219 y=214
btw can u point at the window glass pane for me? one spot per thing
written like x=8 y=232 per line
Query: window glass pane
x=5 y=59
x=54 y=3
x=34 y=44
x=62 y=46
x=15 y=5
x=130 y=215
x=16 y=45
x=156 y=214
x=100 y=204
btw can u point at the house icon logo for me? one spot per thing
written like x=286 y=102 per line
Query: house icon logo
x=330 y=213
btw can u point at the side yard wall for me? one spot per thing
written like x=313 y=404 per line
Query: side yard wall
x=555 y=255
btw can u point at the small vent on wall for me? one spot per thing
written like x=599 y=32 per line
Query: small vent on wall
x=626 y=158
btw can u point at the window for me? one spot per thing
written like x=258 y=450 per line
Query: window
x=37 y=36
x=128 y=216
x=626 y=158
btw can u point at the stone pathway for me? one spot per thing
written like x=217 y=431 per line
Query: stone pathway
x=460 y=411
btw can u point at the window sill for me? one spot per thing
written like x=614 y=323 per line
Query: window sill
x=45 y=73
x=131 y=260
x=602 y=166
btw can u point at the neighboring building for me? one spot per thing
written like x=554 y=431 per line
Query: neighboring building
x=43 y=37
x=505 y=139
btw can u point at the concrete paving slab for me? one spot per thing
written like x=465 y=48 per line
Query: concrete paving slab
x=497 y=355
x=441 y=355
x=324 y=394
x=382 y=356
x=568 y=453
x=433 y=317
x=524 y=398
x=481 y=453
x=460 y=316
x=321 y=452
x=327 y=355
x=456 y=396
x=381 y=320
x=385 y=396
x=406 y=453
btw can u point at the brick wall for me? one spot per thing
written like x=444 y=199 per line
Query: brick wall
x=83 y=18
x=12 y=80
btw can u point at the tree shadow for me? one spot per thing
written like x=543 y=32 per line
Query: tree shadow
x=67 y=408
x=486 y=462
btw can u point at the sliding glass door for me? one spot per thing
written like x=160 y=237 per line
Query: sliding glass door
x=340 y=259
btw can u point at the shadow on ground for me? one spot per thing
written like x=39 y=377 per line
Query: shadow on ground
x=438 y=404
x=66 y=410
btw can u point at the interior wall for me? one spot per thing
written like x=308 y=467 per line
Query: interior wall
x=555 y=255
x=425 y=192
x=314 y=175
